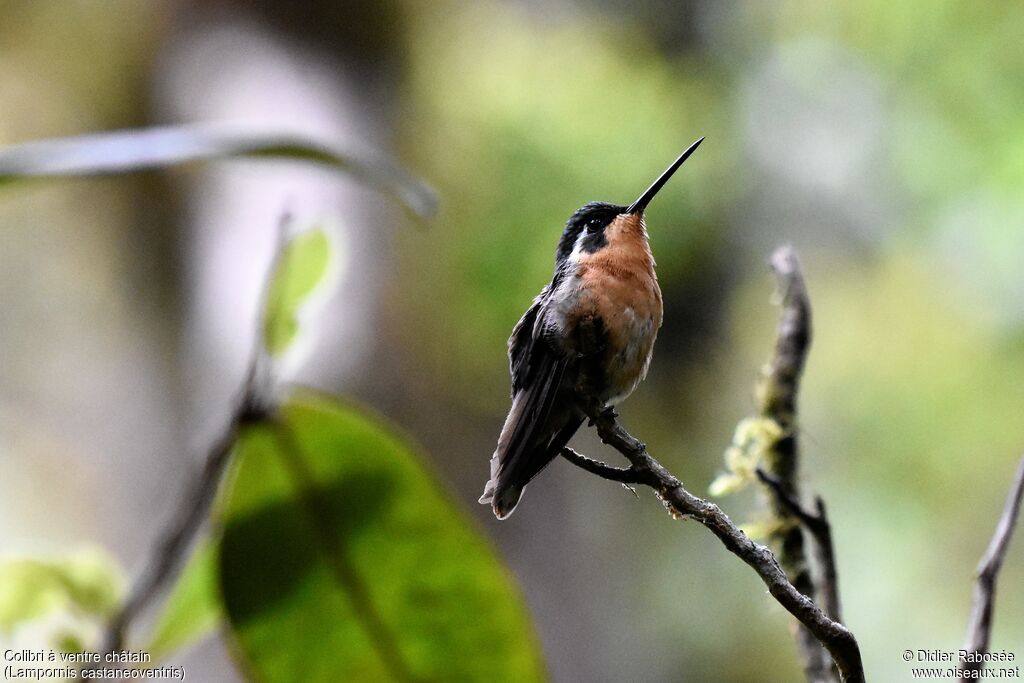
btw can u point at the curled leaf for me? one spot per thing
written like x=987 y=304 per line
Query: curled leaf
x=125 y=151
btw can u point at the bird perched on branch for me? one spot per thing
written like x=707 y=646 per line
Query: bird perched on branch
x=585 y=343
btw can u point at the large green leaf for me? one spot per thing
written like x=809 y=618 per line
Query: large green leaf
x=343 y=560
x=148 y=148
x=302 y=266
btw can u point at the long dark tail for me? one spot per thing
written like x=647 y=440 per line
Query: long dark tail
x=531 y=438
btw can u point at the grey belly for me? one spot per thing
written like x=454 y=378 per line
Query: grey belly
x=626 y=367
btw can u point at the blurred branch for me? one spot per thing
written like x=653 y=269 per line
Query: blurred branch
x=644 y=469
x=169 y=553
x=151 y=148
x=171 y=548
x=778 y=392
x=979 y=626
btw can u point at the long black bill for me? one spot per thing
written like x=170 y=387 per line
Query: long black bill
x=640 y=204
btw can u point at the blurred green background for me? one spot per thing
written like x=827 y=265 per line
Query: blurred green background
x=883 y=139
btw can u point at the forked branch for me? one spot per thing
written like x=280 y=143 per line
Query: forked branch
x=645 y=470
x=817 y=524
x=979 y=625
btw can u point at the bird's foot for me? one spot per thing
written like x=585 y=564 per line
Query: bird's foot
x=599 y=413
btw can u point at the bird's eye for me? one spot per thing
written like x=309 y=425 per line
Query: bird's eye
x=594 y=224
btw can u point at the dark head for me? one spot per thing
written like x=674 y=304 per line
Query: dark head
x=587 y=226
x=589 y=222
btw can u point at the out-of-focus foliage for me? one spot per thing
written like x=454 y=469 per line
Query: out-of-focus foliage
x=911 y=381
x=87 y=584
x=341 y=559
x=531 y=119
x=303 y=265
x=952 y=81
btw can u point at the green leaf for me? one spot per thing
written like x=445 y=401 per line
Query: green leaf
x=302 y=266
x=342 y=559
x=140 y=149
x=192 y=609
x=88 y=583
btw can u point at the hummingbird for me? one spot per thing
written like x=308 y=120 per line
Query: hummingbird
x=586 y=341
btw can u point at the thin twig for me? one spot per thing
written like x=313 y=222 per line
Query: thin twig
x=835 y=637
x=623 y=475
x=169 y=553
x=793 y=506
x=817 y=524
x=979 y=626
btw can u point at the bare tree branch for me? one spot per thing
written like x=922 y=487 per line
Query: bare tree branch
x=171 y=548
x=623 y=475
x=979 y=625
x=778 y=391
x=835 y=637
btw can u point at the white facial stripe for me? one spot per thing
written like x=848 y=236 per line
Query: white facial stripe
x=577 y=248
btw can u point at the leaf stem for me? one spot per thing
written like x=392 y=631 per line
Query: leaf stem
x=254 y=404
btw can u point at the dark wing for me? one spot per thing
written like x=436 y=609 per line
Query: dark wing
x=521 y=343
x=532 y=435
